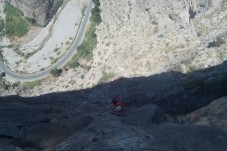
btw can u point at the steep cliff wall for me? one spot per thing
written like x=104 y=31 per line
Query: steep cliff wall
x=39 y=10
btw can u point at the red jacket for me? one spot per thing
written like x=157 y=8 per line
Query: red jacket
x=118 y=103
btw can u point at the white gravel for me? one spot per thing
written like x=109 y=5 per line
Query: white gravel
x=9 y=53
x=37 y=41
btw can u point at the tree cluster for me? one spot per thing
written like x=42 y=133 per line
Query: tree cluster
x=96 y=12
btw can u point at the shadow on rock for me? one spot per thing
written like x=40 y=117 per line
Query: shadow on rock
x=79 y=120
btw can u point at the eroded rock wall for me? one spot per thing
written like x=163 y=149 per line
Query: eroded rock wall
x=39 y=10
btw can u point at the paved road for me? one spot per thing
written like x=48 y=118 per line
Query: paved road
x=61 y=62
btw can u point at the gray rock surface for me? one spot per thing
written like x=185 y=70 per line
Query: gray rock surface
x=213 y=115
x=112 y=135
x=68 y=122
x=41 y=11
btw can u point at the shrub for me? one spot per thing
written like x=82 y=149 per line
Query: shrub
x=67 y=42
x=96 y=2
x=74 y=64
x=217 y=42
x=2 y=25
x=15 y=84
x=56 y=72
x=1 y=56
x=83 y=9
x=3 y=74
x=33 y=84
x=5 y=86
x=106 y=76
x=96 y=17
x=56 y=49
x=17 y=51
x=54 y=60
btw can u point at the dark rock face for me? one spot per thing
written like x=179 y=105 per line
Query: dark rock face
x=79 y=120
x=112 y=135
x=41 y=11
x=71 y=123
x=143 y=116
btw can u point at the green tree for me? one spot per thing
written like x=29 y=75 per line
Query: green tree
x=96 y=2
x=2 y=25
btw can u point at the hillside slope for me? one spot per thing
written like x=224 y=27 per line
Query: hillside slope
x=144 y=38
x=149 y=37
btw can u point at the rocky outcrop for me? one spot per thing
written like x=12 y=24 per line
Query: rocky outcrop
x=115 y=136
x=213 y=115
x=40 y=11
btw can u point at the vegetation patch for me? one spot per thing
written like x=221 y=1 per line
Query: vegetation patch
x=83 y=10
x=17 y=51
x=56 y=49
x=55 y=60
x=20 y=53
x=217 y=42
x=67 y=42
x=56 y=72
x=96 y=17
x=27 y=55
x=33 y=84
x=3 y=74
x=106 y=76
x=84 y=50
x=16 y=84
x=73 y=63
x=5 y=86
x=2 y=25
x=16 y=24
x=1 y=56
x=88 y=44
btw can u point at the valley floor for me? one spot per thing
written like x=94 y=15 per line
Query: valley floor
x=50 y=43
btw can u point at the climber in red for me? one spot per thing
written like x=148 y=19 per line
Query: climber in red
x=117 y=107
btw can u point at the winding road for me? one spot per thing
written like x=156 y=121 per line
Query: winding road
x=62 y=61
